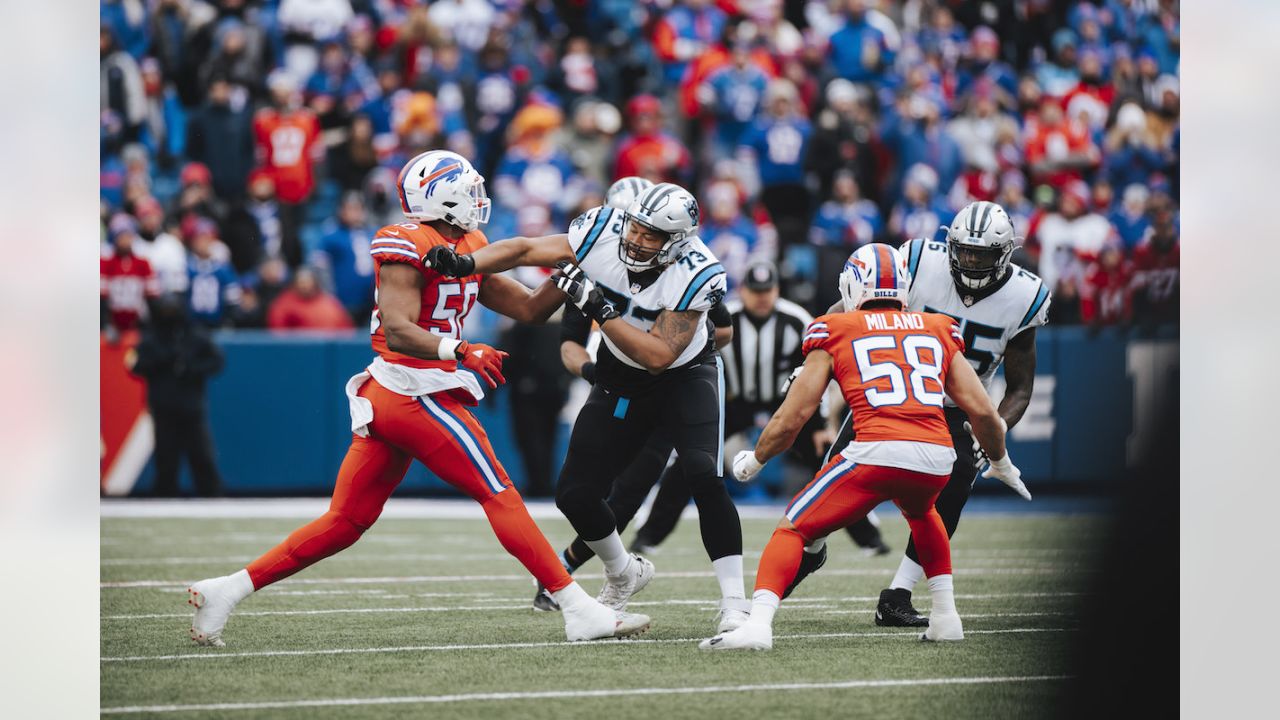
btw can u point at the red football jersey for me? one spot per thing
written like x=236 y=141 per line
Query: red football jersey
x=446 y=302
x=892 y=368
x=286 y=143
x=1157 y=272
x=127 y=282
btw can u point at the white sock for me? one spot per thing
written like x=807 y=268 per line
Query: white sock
x=729 y=575
x=943 y=592
x=909 y=573
x=241 y=584
x=611 y=552
x=570 y=596
x=816 y=546
x=763 y=605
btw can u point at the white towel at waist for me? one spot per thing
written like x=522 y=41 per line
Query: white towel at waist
x=407 y=381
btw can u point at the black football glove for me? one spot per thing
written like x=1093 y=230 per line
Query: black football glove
x=583 y=293
x=446 y=261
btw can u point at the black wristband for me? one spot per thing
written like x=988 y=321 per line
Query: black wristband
x=588 y=372
x=466 y=265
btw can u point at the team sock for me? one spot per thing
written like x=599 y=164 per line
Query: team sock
x=570 y=595
x=909 y=573
x=943 y=592
x=611 y=552
x=764 y=603
x=729 y=575
x=780 y=561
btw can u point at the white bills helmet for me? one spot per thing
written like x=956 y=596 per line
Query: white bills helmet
x=442 y=185
x=622 y=193
x=666 y=209
x=979 y=242
x=874 y=272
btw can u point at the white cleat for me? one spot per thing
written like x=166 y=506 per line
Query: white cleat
x=733 y=613
x=943 y=627
x=618 y=589
x=749 y=636
x=593 y=621
x=213 y=599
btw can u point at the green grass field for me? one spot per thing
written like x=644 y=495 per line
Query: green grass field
x=429 y=617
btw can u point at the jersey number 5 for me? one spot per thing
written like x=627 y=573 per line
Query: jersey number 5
x=911 y=350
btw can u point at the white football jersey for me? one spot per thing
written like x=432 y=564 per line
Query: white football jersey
x=696 y=281
x=987 y=324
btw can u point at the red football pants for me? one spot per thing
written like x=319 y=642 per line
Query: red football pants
x=443 y=435
x=842 y=493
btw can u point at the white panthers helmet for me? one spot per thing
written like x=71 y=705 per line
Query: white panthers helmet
x=622 y=193
x=979 y=242
x=874 y=272
x=442 y=185
x=667 y=209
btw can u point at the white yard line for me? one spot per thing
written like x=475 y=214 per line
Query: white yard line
x=563 y=694
x=840 y=572
x=217 y=655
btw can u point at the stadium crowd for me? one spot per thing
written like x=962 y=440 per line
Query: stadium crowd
x=250 y=148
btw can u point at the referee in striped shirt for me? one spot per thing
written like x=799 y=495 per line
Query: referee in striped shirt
x=767 y=335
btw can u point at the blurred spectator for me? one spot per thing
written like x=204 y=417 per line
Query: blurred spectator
x=306 y=306
x=121 y=90
x=732 y=96
x=984 y=64
x=260 y=288
x=1132 y=155
x=534 y=171
x=1071 y=237
x=859 y=51
x=1058 y=149
x=576 y=76
x=589 y=141
x=843 y=138
x=921 y=212
x=919 y=137
x=497 y=95
x=777 y=144
x=176 y=357
x=160 y=248
x=1104 y=297
x=252 y=228
x=1130 y=219
x=732 y=238
x=127 y=280
x=354 y=157
x=466 y=21
x=305 y=23
x=1156 y=268
x=1057 y=77
x=196 y=198
x=236 y=60
x=342 y=258
x=287 y=140
x=847 y=220
x=221 y=137
x=649 y=151
x=127 y=21
x=214 y=288
x=683 y=32
x=164 y=129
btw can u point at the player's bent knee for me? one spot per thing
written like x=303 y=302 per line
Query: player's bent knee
x=702 y=472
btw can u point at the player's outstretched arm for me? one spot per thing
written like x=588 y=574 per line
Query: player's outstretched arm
x=964 y=387
x=511 y=298
x=543 y=251
x=802 y=400
x=657 y=349
x=1019 y=376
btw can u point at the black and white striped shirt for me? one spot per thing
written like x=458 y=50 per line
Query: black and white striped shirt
x=763 y=354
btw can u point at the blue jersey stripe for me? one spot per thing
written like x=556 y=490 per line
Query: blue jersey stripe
x=1041 y=296
x=702 y=278
x=913 y=256
x=602 y=221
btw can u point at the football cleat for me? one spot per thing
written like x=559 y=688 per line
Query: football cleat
x=589 y=620
x=618 y=589
x=809 y=563
x=895 y=610
x=733 y=613
x=213 y=600
x=877 y=550
x=943 y=627
x=750 y=636
x=543 y=602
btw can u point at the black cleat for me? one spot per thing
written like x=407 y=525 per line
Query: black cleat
x=877 y=550
x=895 y=610
x=543 y=602
x=809 y=563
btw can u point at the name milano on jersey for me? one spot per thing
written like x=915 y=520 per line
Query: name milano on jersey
x=988 y=324
x=696 y=281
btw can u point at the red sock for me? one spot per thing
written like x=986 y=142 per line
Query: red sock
x=932 y=545
x=780 y=561
x=521 y=537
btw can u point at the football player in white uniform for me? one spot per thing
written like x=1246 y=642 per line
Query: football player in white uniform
x=644 y=276
x=998 y=307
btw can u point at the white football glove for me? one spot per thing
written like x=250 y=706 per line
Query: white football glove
x=979 y=455
x=573 y=281
x=745 y=466
x=1006 y=472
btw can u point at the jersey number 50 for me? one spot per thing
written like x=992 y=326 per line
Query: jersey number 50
x=901 y=386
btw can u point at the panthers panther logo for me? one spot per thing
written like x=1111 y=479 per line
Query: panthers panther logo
x=692 y=208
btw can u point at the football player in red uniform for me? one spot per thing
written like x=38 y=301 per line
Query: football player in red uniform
x=411 y=402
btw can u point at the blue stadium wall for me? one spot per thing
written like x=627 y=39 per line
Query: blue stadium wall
x=281 y=426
